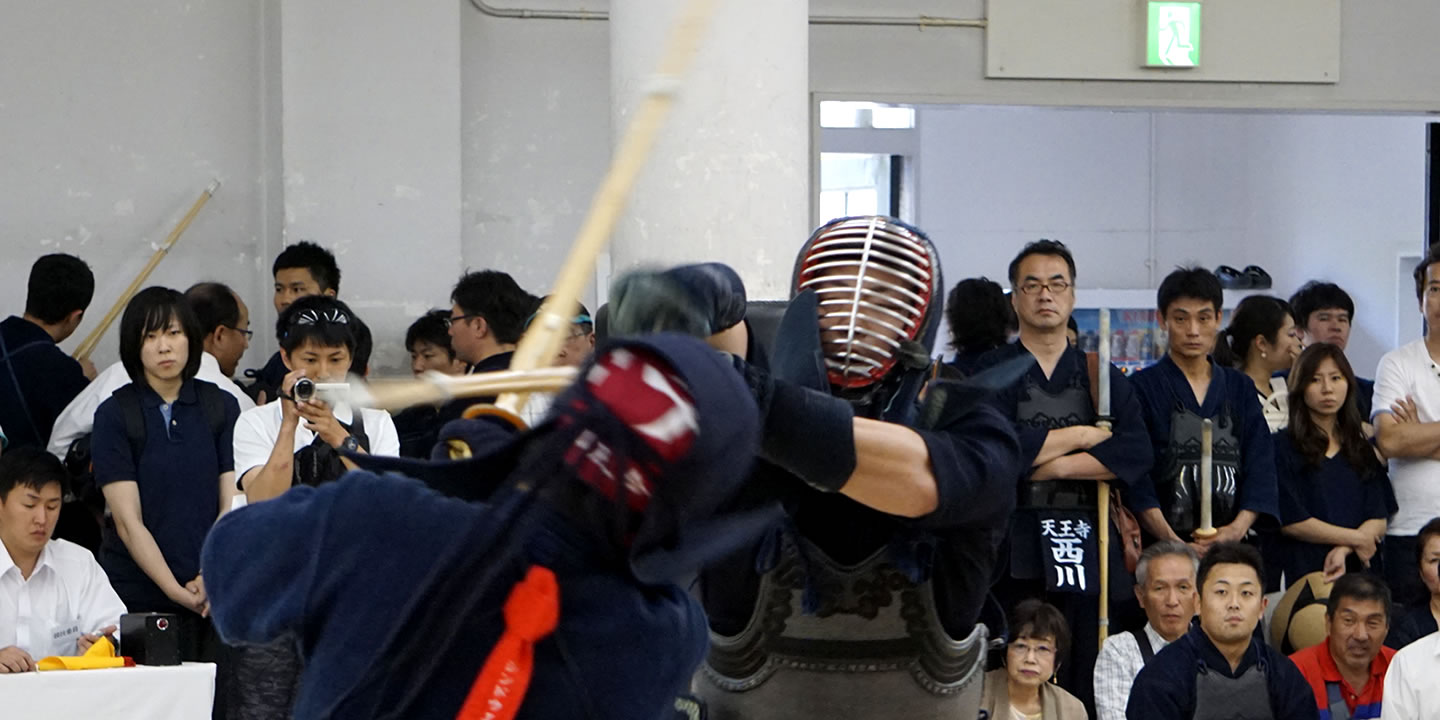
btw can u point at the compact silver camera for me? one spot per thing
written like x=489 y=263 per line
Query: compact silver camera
x=305 y=389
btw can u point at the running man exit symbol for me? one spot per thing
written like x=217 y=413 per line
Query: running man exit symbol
x=1172 y=38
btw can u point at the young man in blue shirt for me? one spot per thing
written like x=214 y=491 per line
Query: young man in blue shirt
x=37 y=378
x=1177 y=394
x=300 y=270
x=1220 y=669
x=1324 y=312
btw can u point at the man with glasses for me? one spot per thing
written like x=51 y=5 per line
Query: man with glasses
x=1054 y=411
x=488 y=311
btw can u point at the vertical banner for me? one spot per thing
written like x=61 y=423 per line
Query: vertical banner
x=1070 y=548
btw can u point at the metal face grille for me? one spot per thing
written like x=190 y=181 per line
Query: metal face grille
x=873 y=280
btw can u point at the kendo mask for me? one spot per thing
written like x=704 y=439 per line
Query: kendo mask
x=879 y=290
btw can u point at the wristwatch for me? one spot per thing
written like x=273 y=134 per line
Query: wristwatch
x=350 y=444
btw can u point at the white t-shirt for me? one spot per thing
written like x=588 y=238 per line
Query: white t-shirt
x=78 y=418
x=67 y=595
x=1411 y=692
x=256 y=430
x=1409 y=371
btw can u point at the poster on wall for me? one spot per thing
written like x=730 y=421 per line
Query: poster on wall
x=1136 y=340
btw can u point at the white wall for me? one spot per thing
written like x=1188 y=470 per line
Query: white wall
x=371 y=128
x=1303 y=196
x=536 y=125
x=114 y=116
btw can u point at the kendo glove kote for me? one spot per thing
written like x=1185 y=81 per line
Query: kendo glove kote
x=808 y=433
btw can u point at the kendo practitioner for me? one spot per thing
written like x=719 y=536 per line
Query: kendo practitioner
x=548 y=559
x=863 y=602
x=1176 y=395
x=1053 y=547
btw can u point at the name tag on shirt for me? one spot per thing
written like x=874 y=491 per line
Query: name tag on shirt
x=63 y=639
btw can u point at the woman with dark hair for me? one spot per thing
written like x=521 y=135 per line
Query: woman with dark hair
x=162 y=457
x=1021 y=690
x=1335 y=495
x=980 y=318
x=1422 y=620
x=1261 y=341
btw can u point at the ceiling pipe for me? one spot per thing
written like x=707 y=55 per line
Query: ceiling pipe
x=922 y=21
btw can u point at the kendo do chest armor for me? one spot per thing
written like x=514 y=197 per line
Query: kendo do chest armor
x=863 y=641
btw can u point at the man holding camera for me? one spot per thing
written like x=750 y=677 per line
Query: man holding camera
x=297 y=438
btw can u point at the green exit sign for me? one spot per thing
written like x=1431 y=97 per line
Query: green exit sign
x=1172 y=37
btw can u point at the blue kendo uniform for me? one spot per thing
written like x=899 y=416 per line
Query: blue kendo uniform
x=1038 y=404
x=842 y=610
x=392 y=589
x=1191 y=680
x=1243 y=457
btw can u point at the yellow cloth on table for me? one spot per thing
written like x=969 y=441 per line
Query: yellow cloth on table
x=100 y=655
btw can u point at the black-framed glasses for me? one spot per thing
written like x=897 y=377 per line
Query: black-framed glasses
x=459 y=318
x=247 y=333
x=1033 y=287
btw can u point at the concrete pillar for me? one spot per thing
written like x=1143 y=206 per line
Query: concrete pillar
x=371 y=155
x=729 y=179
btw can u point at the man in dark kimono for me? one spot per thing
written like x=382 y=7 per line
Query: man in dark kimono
x=864 y=602
x=1054 y=408
x=1176 y=395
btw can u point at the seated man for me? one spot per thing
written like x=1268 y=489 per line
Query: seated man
x=54 y=598
x=37 y=378
x=1347 y=671
x=399 y=623
x=1410 y=688
x=1220 y=669
x=1165 y=586
x=225 y=320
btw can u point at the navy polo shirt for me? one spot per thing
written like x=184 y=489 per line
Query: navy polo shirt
x=48 y=377
x=178 y=473
x=1332 y=493
x=1165 y=687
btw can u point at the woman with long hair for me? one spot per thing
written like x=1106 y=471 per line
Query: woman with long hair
x=1261 y=341
x=1335 y=495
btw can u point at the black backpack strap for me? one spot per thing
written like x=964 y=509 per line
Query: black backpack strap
x=8 y=358
x=1147 y=653
x=212 y=402
x=133 y=413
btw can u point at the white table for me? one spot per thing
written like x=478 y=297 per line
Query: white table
x=177 y=692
